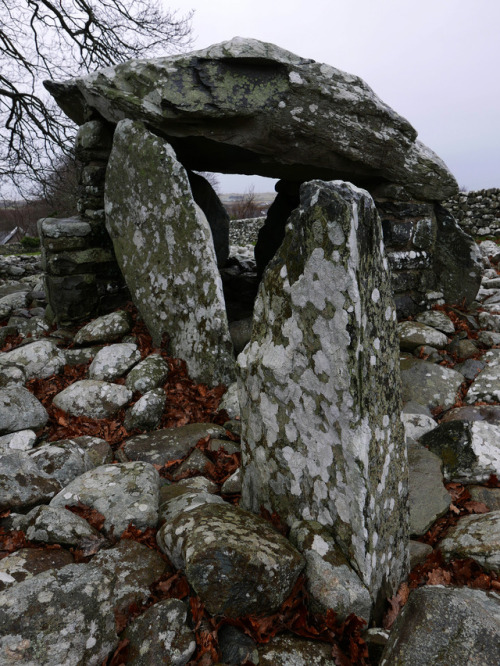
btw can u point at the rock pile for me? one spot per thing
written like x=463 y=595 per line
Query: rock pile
x=68 y=585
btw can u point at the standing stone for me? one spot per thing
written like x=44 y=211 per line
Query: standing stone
x=322 y=437
x=164 y=247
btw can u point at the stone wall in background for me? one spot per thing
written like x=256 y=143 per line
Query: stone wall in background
x=81 y=273
x=478 y=212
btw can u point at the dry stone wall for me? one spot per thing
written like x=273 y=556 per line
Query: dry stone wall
x=478 y=212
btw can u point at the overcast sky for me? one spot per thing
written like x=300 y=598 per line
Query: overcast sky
x=435 y=62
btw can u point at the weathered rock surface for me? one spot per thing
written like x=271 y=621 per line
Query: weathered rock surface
x=486 y=386
x=28 y=562
x=443 y=626
x=58 y=525
x=170 y=443
x=124 y=493
x=314 y=121
x=112 y=362
x=161 y=636
x=414 y=333
x=146 y=413
x=288 y=650
x=322 y=437
x=475 y=536
x=63 y=463
x=331 y=581
x=149 y=374
x=92 y=397
x=165 y=251
x=62 y=616
x=470 y=451
x=38 y=359
x=235 y=561
x=429 y=384
x=428 y=498
x=22 y=483
x=107 y=328
x=22 y=440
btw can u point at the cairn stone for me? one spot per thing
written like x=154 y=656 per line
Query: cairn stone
x=322 y=437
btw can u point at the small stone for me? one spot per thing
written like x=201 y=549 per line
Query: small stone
x=149 y=374
x=113 y=361
x=93 y=398
x=475 y=536
x=147 y=412
x=413 y=334
x=107 y=328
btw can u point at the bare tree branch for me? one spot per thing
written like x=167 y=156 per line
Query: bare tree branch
x=45 y=39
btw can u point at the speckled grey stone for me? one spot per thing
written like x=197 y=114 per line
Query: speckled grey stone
x=19 y=409
x=133 y=567
x=58 y=525
x=291 y=650
x=22 y=483
x=429 y=384
x=413 y=334
x=107 y=328
x=489 y=496
x=93 y=398
x=161 y=636
x=470 y=451
x=124 y=493
x=232 y=484
x=163 y=245
x=436 y=319
x=417 y=425
x=148 y=374
x=428 y=498
x=235 y=561
x=113 y=361
x=331 y=582
x=170 y=443
x=62 y=463
x=146 y=413
x=28 y=562
x=230 y=401
x=62 y=616
x=38 y=359
x=475 y=536
x=22 y=440
x=446 y=625
x=322 y=437
x=98 y=450
x=418 y=552
x=486 y=385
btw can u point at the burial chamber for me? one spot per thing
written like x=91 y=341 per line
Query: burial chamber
x=245 y=106
x=318 y=383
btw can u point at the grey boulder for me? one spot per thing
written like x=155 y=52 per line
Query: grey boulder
x=19 y=410
x=93 y=398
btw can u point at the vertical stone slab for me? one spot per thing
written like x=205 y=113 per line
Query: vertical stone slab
x=320 y=387
x=164 y=248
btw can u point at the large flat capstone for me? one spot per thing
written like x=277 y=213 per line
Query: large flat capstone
x=246 y=106
x=322 y=437
x=164 y=247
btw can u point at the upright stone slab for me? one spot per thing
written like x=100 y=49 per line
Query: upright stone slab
x=320 y=390
x=164 y=247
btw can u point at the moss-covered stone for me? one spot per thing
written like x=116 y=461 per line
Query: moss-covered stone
x=322 y=437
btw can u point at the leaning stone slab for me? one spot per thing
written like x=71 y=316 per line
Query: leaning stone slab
x=62 y=616
x=161 y=635
x=93 y=398
x=475 y=536
x=322 y=437
x=331 y=582
x=38 y=359
x=470 y=450
x=23 y=484
x=429 y=384
x=446 y=625
x=164 y=248
x=107 y=328
x=170 y=443
x=235 y=561
x=124 y=493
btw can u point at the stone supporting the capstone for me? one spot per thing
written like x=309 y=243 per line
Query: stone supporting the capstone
x=320 y=390
x=164 y=247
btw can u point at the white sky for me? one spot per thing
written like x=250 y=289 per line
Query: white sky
x=435 y=62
